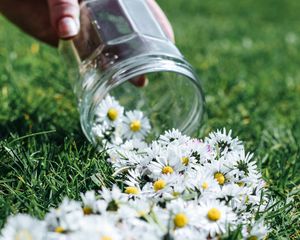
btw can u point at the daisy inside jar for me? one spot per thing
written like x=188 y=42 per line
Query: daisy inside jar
x=112 y=124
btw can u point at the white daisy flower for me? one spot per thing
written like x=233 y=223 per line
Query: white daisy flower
x=233 y=195
x=154 y=151
x=258 y=231
x=23 y=227
x=161 y=188
x=109 y=112
x=57 y=236
x=112 y=197
x=215 y=217
x=205 y=182
x=122 y=158
x=65 y=218
x=200 y=151
x=142 y=206
x=133 y=181
x=244 y=169
x=135 y=125
x=151 y=229
x=258 y=195
x=220 y=169
x=89 y=201
x=170 y=161
x=107 y=135
x=180 y=214
x=132 y=191
x=135 y=145
x=173 y=136
x=190 y=234
x=97 y=227
x=222 y=142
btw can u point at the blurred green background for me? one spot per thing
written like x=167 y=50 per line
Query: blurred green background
x=247 y=56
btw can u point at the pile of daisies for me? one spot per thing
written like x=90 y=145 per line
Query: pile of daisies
x=176 y=187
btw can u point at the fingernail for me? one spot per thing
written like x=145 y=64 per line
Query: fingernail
x=146 y=82
x=67 y=27
x=141 y=81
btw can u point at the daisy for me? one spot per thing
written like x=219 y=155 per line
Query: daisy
x=109 y=112
x=233 y=195
x=23 y=226
x=215 y=217
x=170 y=161
x=258 y=231
x=122 y=158
x=112 y=197
x=219 y=169
x=173 y=136
x=179 y=213
x=98 y=227
x=106 y=135
x=135 y=125
x=204 y=182
x=154 y=151
x=57 y=236
x=141 y=206
x=161 y=188
x=89 y=201
x=201 y=151
x=147 y=227
x=133 y=177
x=65 y=218
x=184 y=219
x=137 y=229
x=244 y=168
x=222 y=142
x=135 y=145
x=190 y=234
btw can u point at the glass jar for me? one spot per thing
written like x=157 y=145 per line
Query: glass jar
x=121 y=40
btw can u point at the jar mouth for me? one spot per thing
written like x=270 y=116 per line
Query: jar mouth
x=182 y=85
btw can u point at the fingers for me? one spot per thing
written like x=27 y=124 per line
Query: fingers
x=163 y=20
x=140 y=81
x=64 y=16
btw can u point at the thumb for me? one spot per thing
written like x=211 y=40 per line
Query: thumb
x=64 y=16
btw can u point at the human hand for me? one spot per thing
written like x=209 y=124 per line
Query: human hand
x=51 y=20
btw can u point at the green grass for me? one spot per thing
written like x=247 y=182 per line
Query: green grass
x=247 y=55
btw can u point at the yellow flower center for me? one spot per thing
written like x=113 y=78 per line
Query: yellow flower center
x=131 y=190
x=185 y=161
x=87 y=210
x=180 y=220
x=214 y=214
x=167 y=170
x=106 y=238
x=34 y=48
x=159 y=185
x=240 y=184
x=176 y=194
x=220 y=178
x=112 y=114
x=135 y=126
x=23 y=234
x=204 y=185
x=252 y=238
x=59 y=229
x=141 y=213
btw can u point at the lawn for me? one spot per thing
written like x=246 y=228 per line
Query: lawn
x=247 y=56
